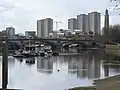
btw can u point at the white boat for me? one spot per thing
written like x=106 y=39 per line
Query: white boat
x=45 y=52
x=28 y=54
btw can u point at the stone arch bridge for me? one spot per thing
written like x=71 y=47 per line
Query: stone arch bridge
x=58 y=42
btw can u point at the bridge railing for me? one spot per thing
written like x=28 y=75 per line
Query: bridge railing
x=45 y=39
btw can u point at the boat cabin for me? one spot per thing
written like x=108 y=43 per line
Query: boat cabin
x=29 y=48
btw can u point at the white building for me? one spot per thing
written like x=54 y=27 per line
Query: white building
x=86 y=24
x=72 y=23
x=40 y=28
x=54 y=34
x=79 y=32
x=82 y=22
x=10 y=31
x=94 y=22
x=44 y=27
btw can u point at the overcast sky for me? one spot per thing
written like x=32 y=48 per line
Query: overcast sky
x=23 y=14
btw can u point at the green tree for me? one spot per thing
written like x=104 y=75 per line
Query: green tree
x=75 y=37
x=113 y=34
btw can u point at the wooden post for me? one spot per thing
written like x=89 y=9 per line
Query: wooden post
x=4 y=63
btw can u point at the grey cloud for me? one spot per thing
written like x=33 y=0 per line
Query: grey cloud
x=23 y=14
x=6 y=5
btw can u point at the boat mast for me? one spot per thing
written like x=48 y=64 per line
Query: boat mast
x=29 y=44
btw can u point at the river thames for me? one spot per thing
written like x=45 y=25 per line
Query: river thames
x=60 y=72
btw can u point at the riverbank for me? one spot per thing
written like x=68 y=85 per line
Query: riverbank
x=113 y=52
x=109 y=83
x=114 y=47
x=84 y=88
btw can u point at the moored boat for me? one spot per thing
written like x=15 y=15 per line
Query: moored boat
x=24 y=54
x=30 y=61
x=55 y=53
x=18 y=54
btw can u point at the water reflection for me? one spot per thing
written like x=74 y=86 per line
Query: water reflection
x=70 y=50
x=44 y=65
x=30 y=61
x=94 y=66
x=106 y=70
x=75 y=70
x=85 y=66
x=11 y=62
x=111 y=64
x=20 y=60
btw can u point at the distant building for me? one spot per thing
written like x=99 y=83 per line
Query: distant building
x=82 y=22
x=48 y=26
x=44 y=27
x=54 y=34
x=18 y=36
x=57 y=34
x=40 y=28
x=10 y=31
x=72 y=23
x=86 y=24
x=30 y=33
x=94 y=22
x=3 y=32
x=106 y=24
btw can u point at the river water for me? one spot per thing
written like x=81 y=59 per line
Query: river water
x=60 y=72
